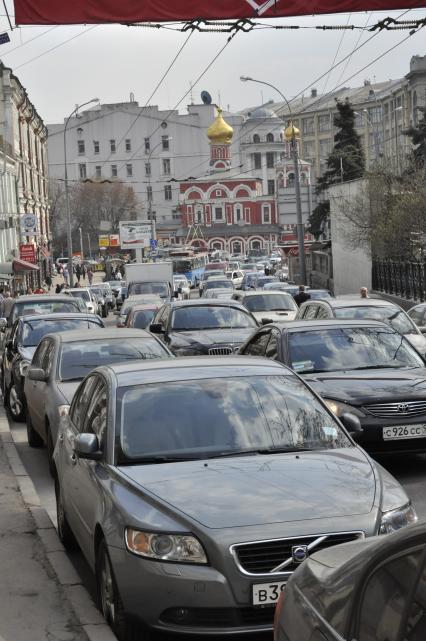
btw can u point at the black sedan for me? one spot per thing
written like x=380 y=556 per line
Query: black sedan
x=365 y=368
x=200 y=327
x=26 y=334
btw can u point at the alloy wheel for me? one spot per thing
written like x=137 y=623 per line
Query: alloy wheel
x=15 y=404
x=107 y=591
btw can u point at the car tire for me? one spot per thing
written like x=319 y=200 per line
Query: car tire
x=16 y=406
x=34 y=439
x=50 y=447
x=110 y=603
x=65 y=533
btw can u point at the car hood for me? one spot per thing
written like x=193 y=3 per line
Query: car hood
x=208 y=337
x=358 y=387
x=264 y=489
x=279 y=316
x=68 y=389
x=27 y=353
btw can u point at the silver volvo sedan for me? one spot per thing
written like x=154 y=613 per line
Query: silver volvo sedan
x=195 y=487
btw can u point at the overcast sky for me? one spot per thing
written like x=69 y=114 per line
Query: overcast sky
x=111 y=61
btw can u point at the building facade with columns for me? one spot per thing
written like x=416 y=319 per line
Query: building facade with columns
x=227 y=210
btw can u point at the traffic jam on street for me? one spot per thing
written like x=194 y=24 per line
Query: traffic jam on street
x=224 y=453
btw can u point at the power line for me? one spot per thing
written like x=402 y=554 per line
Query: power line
x=336 y=54
x=29 y=41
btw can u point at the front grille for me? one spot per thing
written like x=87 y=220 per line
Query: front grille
x=220 y=351
x=219 y=617
x=393 y=410
x=266 y=557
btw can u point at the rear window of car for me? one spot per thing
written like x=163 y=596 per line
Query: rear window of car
x=143 y=318
x=390 y=314
x=210 y=317
x=28 y=308
x=270 y=302
x=33 y=331
x=84 y=294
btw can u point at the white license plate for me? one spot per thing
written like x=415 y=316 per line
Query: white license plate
x=404 y=431
x=267 y=593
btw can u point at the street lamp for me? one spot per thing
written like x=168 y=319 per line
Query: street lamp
x=292 y=134
x=67 y=196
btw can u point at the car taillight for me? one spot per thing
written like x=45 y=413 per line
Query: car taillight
x=277 y=614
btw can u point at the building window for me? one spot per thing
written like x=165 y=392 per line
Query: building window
x=309 y=149
x=165 y=142
x=114 y=170
x=166 y=166
x=324 y=148
x=98 y=171
x=128 y=144
x=96 y=146
x=238 y=214
x=256 y=138
x=147 y=145
x=218 y=192
x=112 y=146
x=199 y=216
x=269 y=137
x=218 y=214
x=149 y=193
x=129 y=170
x=147 y=169
x=82 y=171
x=324 y=123
x=270 y=159
x=308 y=125
x=247 y=214
x=290 y=180
x=167 y=192
x=257 y=161
x=375 y=114
x=81 y=148
x=266 y=214
x=271 y=187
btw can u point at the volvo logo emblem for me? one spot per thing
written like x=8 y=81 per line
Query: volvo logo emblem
x=402 y=408
x=299 y=553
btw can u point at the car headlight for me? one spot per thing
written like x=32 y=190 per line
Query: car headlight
x=23 y=367
x=341 y=408
x=179 y=548
x=397 y=519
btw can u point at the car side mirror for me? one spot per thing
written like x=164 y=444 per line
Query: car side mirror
x=351 y=422
x=3 y=324
x=156 y=328
x=37 y=374
x=87 y=446
x=265 y=321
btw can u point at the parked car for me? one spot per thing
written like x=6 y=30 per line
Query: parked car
x=140 y=316
x=130 y=302
x=236 y=276
x=180 y=282
x=363 y=367
x=370 y=590
x=62 y=360
x=42 y=304
x=268 y=305
x=418 y=316
x=86 y=294
x=25 y=335
x=197 y=327
x=348 y=307
x=319 y=294
x=193 y=522
x=211 y=273
x=217 y=282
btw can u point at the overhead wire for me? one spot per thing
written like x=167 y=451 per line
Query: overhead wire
x=335 y=55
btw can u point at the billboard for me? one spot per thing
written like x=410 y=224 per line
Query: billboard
x=128 y=11
x=114 y=240
x=135 y=234
x=27 y=252
x=103 y=241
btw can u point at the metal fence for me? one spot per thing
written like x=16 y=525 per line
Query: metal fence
x=406 y=279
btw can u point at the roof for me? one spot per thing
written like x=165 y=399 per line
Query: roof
x=56 y=317
x=356 y=301
x=151 y=305
x=37 y=298
x=332 y=323
x=262 y=292
x=99 y=334
x=204 y=302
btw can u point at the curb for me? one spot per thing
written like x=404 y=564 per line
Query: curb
x=85 y=611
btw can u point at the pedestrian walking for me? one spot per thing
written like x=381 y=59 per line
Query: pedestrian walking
x=65 y=275
x=48 y=281
x=302 y=296
x=58 y=289
x=6 y=305
x=83 y=272
x=78 y=273
x=90 y=276
x=118 y=274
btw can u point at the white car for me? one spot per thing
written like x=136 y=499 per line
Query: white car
x=181 y=281
x=236 y=277
x=86 y=295
x=271 y=305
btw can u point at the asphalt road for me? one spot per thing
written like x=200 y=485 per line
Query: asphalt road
x=409 y=470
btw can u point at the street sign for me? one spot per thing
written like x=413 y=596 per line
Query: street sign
x=153 y=242
x=28 y=224
x=114 y=240
x=27 y=252
x=104 y=241
x=135 y=234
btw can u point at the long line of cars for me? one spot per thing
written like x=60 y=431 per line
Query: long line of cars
x=196 y=478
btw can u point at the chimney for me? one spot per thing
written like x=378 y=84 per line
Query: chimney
x=314 y=93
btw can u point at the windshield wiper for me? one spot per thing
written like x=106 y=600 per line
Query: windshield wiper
x=376 y=367
x=163 y=459
x=268 y=450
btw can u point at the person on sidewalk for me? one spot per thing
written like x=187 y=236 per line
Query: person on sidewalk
x=58 y=289
x=302 y=296
x=83 y=272
x=6 y=305
x=78 y=273
x=90 y=275
x=48 y=281
x=65 y=275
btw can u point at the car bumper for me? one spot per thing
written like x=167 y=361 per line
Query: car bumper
x=371 y=437
x=185 y=599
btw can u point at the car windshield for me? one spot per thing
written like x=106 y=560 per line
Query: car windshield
x=390 y=314
x=160 y=289
x=219 y=284
x=28 y=308
x=264 y=280
x=317 y=294
x=77 y=359
x=223 y=417
x=208 y=275
x=117 y=283
x=143 y=318
x=350 y=348
x=84 y=294
x=210 y=317
x=34 y=330
x=269 y=302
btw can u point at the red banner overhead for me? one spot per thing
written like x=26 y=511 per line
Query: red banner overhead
x=128 y=11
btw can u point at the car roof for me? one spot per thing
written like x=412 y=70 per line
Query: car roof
x=75 y=289
x=37 y=298
x=193 y=368
x=261 y=292
x=153 y=305
x=357 y=301
x=75 y=336
x=56 y=317
x=204 y=302
x=332 y=323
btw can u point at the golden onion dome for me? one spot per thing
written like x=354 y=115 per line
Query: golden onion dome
x=292 y=132
x=219 y=132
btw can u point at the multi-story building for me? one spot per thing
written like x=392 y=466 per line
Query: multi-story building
x=24 y=200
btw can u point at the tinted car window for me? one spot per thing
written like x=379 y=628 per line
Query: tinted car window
x=218 y=416
x=257 y=345
x=416 y=623
x=418 y=315
x=84 y=294
x=142 y=319
x=272 y=347
x=389 y=314
x=310 y=312
x=210 y=317
x=78 y=411
x=158 y=289
x=33 y=331
x=351 y=348
x=269 y=302
x=28 y=308
x=219 y=284
x=78 y=359
x=385 y=599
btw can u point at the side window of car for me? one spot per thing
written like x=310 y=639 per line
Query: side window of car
x=418 y=316
x=310 y=312
x=272 y=346
x=161 y=316
x=80 y=403
x=385 y=599
x=95 y=421
x=257 y=345
x=39 y=354
x=322 y=312
x=415 y=629
x=48 y=358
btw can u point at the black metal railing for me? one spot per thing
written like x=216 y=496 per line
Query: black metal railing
x=406 y=279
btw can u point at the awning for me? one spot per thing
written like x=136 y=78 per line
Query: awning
x=20 y=265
